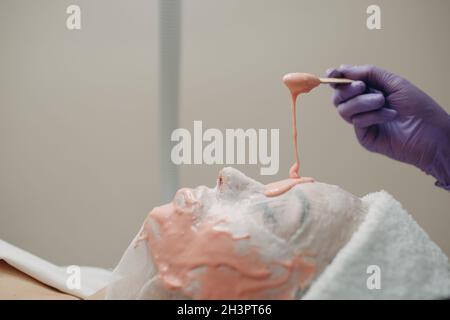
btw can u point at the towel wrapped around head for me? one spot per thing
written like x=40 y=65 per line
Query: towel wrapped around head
x=233 y=242
x=389 y=257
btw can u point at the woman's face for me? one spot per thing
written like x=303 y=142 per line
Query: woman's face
x=233 y=242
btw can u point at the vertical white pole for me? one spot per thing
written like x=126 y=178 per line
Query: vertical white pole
x=169 y=84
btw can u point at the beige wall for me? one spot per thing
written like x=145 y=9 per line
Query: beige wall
x=78 y=128
x=78 y=137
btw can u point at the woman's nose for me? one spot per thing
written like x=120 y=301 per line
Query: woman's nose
x=185 y=199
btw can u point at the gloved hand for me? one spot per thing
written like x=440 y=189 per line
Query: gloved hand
x=393 y=117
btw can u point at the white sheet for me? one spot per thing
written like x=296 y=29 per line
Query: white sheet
x=92 y=279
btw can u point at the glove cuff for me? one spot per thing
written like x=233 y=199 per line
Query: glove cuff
x=443 y=186
x=440 y=168
x=441 y=171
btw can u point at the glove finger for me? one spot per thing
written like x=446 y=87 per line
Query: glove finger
x=368 y=119
x=360 y=104
x=348 y=91
x=333 y=73
x=373 y=76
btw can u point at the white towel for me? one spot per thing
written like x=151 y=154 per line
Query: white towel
x=411 y=266
x=92 y=279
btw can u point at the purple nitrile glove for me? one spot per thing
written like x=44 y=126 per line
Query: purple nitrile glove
x=393 y=117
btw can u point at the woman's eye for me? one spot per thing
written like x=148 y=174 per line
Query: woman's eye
x=220 y=183
x=234 y=184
